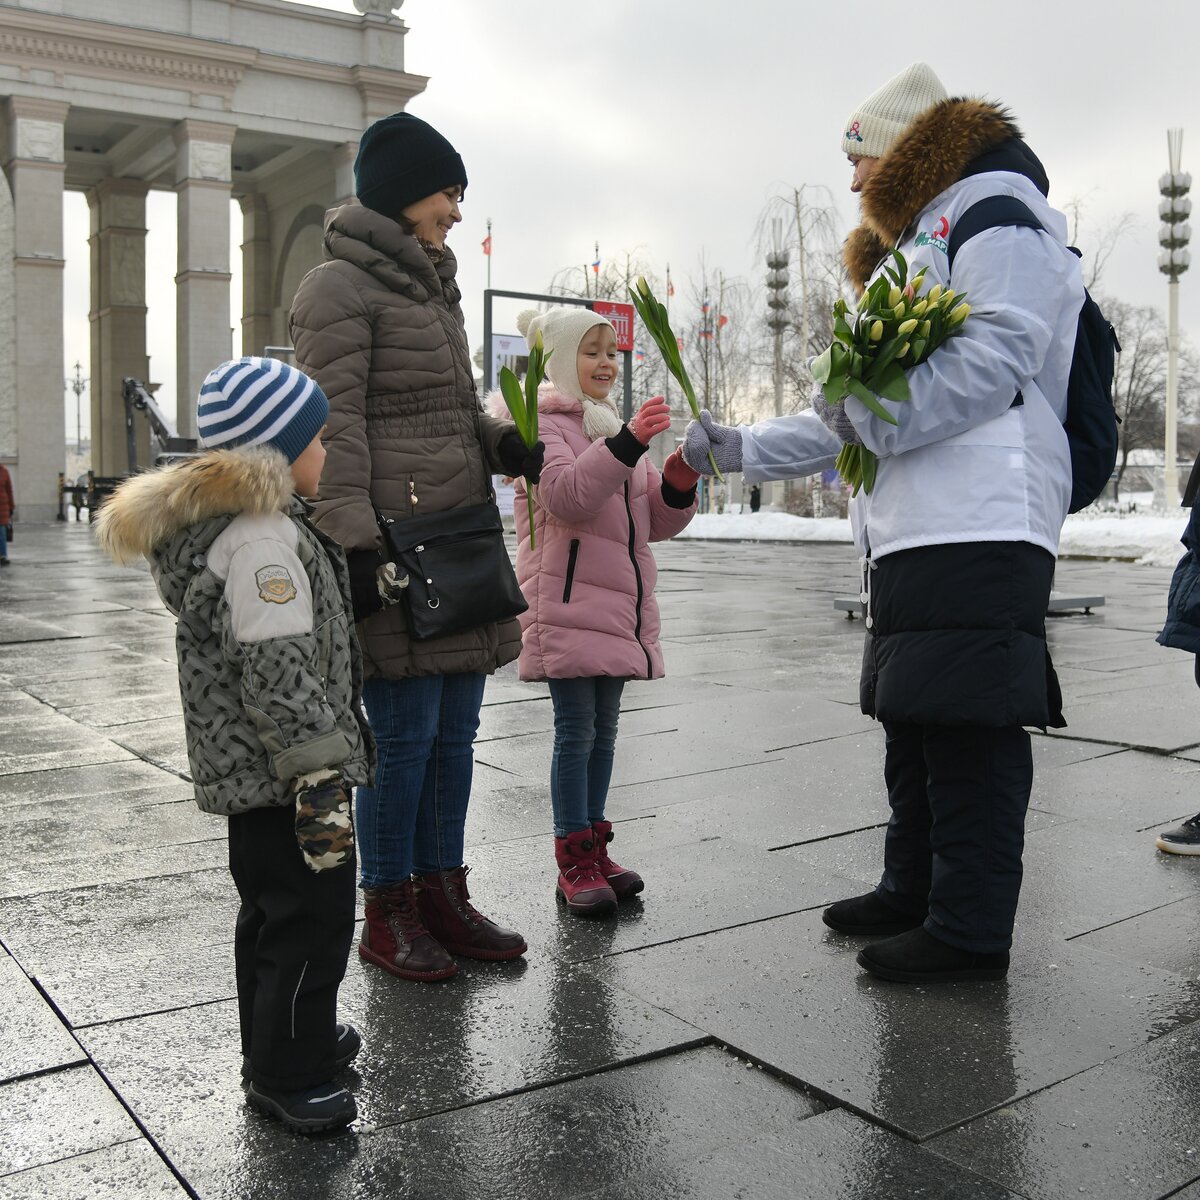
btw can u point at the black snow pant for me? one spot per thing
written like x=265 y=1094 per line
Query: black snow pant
x=294 y=931
x=958 y=795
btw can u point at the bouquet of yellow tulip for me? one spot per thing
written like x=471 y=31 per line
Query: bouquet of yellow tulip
x=654 y=317
x=523 y=406
x=894 y=328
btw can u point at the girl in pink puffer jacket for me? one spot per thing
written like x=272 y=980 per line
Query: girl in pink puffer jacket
x=592 y=621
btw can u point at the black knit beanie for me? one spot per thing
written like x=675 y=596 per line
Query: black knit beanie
x=402 y=159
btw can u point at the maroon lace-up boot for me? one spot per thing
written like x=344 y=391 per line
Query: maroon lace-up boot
x=581 y=886
x=395 y=938
x=444 y=904
x=624 y=882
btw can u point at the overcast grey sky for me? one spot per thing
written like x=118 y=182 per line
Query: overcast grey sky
x=663 y=126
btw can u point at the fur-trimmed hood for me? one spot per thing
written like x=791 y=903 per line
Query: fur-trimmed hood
x=955 y=138
x=150 y=509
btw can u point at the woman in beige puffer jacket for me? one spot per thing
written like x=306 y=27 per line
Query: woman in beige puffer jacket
x=378 y=325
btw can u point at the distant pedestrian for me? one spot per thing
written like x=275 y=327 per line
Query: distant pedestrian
x=960 y=532
x=8 y=510
x=271 y=681
x=755 y=498
x=592 y=621
x=1182 y=631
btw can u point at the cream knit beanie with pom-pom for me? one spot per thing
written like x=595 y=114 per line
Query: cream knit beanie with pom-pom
x=562 y=329
x=880 y=119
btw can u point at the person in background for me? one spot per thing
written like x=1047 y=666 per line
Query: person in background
x=8 y=510
x=1182 y=631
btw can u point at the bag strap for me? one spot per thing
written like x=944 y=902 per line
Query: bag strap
x=990 y=213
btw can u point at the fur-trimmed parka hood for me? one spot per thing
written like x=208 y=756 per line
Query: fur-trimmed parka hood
x=148 y=510
x=955 y=138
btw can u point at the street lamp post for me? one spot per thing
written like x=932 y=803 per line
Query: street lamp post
x=1173 y=235
x=78 y=384
x=777 y=322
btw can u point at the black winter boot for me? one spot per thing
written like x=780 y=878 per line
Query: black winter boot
x=868 y=915
x=919 y=957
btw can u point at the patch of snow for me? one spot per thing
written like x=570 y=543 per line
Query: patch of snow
x=1149 y=538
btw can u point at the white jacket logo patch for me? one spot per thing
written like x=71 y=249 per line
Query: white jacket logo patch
x=275 y=585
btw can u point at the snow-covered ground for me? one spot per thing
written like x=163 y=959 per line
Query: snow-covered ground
x=1147 y=537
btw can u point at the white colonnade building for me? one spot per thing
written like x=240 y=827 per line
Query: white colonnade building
x=260 y=101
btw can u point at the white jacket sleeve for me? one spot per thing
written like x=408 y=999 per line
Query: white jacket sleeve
x=1017 y=281
x=787 y=448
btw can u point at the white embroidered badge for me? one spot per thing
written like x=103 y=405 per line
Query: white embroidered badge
x=275 y=585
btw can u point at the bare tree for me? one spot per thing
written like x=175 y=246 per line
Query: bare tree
x=812 y=239
x=1140 y=384
x=1098 y=245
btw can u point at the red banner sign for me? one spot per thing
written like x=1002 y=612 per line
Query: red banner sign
x=621 y=316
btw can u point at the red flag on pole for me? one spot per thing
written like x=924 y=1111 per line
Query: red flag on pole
x=670 y=288
x=722 y=321
x=487 y=245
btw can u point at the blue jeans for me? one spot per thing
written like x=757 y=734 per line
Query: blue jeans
x=413 y=819
x=585 y=737
x=3 y=540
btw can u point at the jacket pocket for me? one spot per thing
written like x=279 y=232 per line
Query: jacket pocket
x=571 y=559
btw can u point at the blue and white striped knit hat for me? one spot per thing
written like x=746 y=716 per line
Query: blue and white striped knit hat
x=260 y=402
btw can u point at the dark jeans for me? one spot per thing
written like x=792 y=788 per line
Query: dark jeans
x=294 y=930
x=413 y=819
x=585 y=736
x=958 y=795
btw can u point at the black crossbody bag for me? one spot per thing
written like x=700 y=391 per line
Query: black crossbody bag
x=459 y=573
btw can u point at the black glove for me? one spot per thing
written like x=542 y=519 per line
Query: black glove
x=518 y=459
x=364 y=582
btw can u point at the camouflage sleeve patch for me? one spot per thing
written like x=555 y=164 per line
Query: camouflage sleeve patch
x=324 y=828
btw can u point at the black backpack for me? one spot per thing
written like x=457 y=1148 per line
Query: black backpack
x=1092 y=419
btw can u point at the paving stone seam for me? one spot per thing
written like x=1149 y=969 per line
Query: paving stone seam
x=12 y=1175
x=144 y=1131
x=828 y=837
x=1132 y=917
x=698 y=1043
x=1175 y=1191
x=157 y=1012
x=1160 y=751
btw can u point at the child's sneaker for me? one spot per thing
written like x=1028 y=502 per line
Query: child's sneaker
x=349 y=1043
x=1184 y=839
x=313 y=1110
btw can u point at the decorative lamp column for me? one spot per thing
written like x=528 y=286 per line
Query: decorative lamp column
x=1174 y=258
x=777 y=322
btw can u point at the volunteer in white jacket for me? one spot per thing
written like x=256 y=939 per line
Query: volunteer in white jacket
x=960 y=531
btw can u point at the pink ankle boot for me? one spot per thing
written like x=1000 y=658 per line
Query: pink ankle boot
x=624 y=882
x=580 y=885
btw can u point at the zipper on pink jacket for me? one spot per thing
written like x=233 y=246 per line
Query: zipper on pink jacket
x=637 y=575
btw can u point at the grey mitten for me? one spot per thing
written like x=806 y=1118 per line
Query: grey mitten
x=705 y=436
x=833 y=417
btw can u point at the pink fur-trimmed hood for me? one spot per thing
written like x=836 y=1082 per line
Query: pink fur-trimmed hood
x=550 y=400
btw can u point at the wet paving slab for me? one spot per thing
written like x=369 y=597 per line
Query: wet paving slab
x=1124 y=1130
x=787 y=993
x=127 y=1171
x=717 y=1032
x=32 y=1038
x=59 y=1115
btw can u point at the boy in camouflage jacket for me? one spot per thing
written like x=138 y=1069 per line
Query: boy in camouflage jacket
x=270 y=676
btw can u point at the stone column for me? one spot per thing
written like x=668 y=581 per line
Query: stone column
x=256 y=273
x=35 y=168
x=203 y=182
x=118 y=317
x=343 y=172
